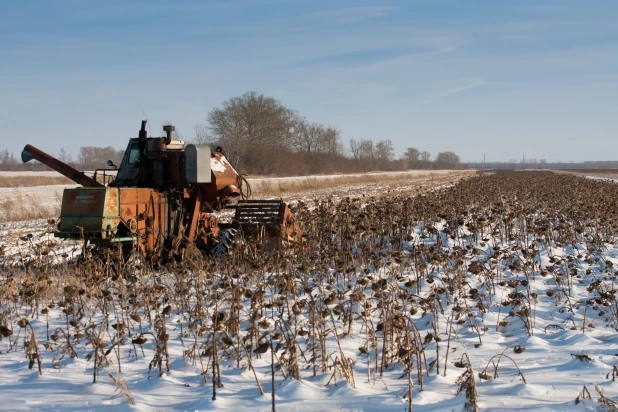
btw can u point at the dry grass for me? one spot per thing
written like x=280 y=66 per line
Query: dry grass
x=28 y=181
x=19 y=206
x=281 y=187
x=270 y=187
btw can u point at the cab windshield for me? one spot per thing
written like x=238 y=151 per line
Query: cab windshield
x=133 y=153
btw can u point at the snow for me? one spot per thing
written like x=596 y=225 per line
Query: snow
x=568 y=349
x=219 y=164
x=610 y=179
x=554 y=376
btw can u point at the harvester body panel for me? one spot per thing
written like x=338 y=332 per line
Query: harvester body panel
x=90 y=212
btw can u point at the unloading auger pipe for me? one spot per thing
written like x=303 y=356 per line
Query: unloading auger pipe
x=31 y=152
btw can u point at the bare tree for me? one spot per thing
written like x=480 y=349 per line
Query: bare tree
x=448 y=159
x=64 y=156
x=201 y=135
x=411 y=154
x=367 y=150
x=384 y=150
x=409 y=159
x=425 y=157
x=307 y=136
x=330 y=142
x=91 y=157
x=355 y=149
x=7 y=160
x=249 y=121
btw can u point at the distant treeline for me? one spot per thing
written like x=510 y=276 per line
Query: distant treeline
x=609 y=164
x=519 y=165
x=544 y=165
x=260 y=136
x=89 y=158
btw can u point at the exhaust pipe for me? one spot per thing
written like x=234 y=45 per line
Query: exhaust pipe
x=168 y=129
x=142 y=140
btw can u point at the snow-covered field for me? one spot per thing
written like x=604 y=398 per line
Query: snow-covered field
x=491 y=286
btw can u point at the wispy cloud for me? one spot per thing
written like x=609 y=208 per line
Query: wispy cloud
x=463 y=84
x=371 y=53
x=146 y=9
x=350 y=59
x=352 y=14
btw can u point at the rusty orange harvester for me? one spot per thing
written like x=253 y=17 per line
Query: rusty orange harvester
x=163 y=198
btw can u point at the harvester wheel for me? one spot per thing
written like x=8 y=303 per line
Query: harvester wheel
x=133 y=226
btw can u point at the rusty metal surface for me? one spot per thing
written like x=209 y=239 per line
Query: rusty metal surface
x=271 y=218
x=223 y=174
x=89 y=211
x=112 y=205
x=31 y=152
x=83 y=202
x=144 y=213
x=290 y=231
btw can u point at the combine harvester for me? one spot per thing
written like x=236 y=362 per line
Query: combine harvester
x=163 y=199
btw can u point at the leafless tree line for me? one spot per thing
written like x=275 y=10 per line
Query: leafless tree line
x=261 y=136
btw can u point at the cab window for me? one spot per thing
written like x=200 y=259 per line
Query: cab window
x=133 y=153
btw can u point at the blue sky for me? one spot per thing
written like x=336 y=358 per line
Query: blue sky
x=492 y=77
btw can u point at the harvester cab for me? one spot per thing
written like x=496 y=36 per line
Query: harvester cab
x=163 y=162
x=165 y=195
